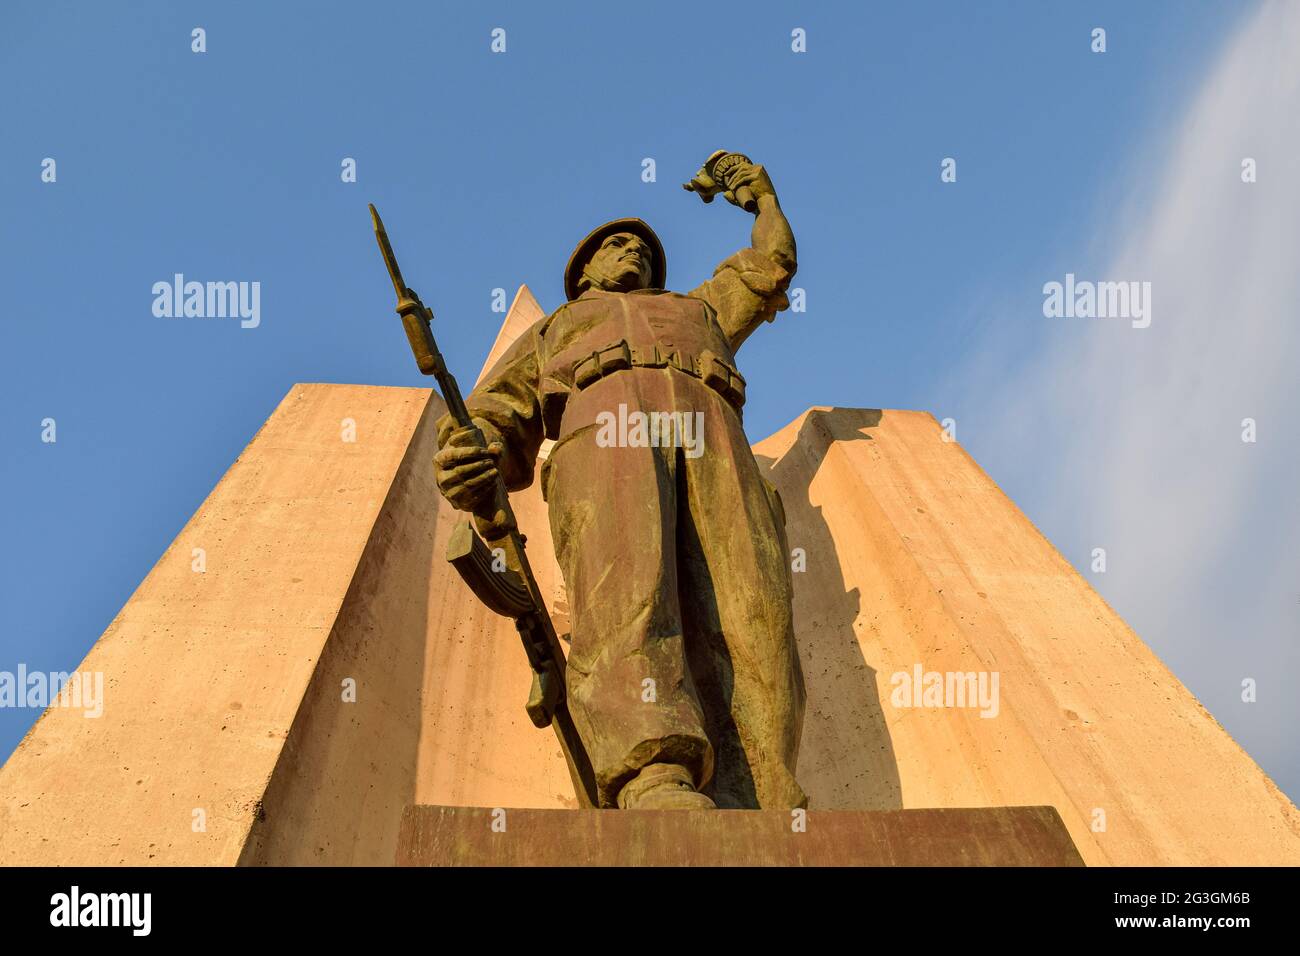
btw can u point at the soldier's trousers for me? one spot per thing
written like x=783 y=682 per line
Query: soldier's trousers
x=678 y=579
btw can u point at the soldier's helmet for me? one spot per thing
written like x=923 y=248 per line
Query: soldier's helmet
x=638 y=227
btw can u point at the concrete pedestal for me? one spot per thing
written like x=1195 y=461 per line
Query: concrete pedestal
x=480 y=836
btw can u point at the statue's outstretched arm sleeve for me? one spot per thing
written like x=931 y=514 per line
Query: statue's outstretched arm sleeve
x=748 y=288
x=506 y=407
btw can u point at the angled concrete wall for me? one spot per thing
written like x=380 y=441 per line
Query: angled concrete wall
x=915 y=557
x=213 y=726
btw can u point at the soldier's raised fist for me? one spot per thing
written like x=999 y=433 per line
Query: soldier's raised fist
x=752 y=175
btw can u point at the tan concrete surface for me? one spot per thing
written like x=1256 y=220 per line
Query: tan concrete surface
x=916 y=557
x=523 y=312
x=224 y=690
x=212 y=680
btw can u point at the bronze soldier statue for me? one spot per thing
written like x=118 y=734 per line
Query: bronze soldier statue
x=683 y=677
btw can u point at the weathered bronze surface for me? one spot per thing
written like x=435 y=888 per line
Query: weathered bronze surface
x=683 y=678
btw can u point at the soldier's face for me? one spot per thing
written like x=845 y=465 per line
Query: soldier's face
x=622 y=263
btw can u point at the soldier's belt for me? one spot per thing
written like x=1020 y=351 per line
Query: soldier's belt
x=719 y=375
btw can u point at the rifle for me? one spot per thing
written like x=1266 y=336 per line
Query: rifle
x=511 y=592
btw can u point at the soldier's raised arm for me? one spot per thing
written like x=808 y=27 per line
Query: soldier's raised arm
x=748 y=288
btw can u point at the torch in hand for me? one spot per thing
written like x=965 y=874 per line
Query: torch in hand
x=715 y=177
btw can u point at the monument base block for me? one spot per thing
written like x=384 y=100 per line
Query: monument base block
x=481 y=836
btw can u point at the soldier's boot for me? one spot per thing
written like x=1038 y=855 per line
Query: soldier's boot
x=663 y=786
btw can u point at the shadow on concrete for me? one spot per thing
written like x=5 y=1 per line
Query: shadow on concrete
x=847 y=759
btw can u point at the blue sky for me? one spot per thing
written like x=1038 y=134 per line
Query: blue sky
x=488 y=168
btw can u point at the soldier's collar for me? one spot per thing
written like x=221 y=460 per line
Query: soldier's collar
x=594 y=293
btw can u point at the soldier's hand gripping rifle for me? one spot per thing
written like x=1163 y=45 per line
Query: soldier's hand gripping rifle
x=511 y=592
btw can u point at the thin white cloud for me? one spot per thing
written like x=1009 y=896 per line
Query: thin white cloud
x=1130 y=439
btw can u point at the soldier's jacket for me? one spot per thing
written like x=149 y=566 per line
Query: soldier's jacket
x=529 y=394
